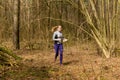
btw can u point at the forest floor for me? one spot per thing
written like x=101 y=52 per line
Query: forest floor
x=82 y=64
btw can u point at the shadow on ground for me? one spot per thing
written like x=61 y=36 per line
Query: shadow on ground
x=70 y=62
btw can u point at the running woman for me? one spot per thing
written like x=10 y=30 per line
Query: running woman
x=58 y=42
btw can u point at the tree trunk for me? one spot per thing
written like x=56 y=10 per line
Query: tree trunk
x=16 y=24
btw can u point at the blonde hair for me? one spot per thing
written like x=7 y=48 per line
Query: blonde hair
x=54 y=28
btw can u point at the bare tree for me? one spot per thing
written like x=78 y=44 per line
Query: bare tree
x=16 y=24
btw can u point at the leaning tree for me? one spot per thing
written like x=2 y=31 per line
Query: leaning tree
x=102 y=17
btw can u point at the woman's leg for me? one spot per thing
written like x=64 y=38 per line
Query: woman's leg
x=61 y=53
x=56 y=47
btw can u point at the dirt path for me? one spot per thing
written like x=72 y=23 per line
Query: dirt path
x=77 y=65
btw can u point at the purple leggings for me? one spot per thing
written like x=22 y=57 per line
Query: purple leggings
x=59 y=49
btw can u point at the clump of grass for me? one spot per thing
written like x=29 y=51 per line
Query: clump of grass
x=7 y=57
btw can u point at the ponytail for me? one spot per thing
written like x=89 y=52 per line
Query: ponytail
x=54 y=28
